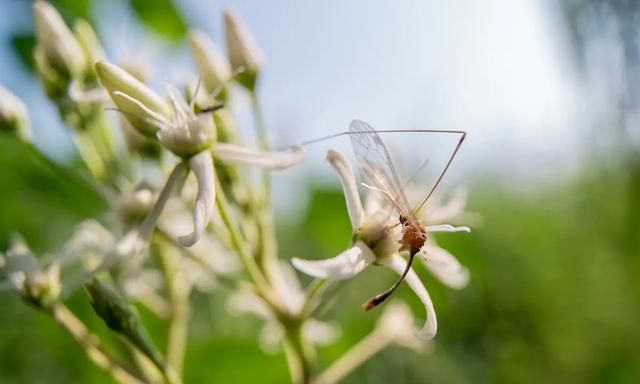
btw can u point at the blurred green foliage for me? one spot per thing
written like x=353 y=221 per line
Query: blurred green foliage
x=553 y=296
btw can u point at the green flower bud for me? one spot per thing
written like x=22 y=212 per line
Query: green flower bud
x=242 y=50
x=14 y=118
x=59 y=47
x=122 y=318
x=89 y=43
x=134 y=99
x=213 y=67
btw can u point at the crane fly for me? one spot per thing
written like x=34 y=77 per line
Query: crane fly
x=380 y=175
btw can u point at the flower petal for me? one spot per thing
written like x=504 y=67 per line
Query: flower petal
x=349 y=187
x=398 y=264
x=446 y=228
x=344 y=266
x=269 y=160
x=202 y=167
x=175 y=178
x=320 y=333
x=447 y=212
x=445 y=266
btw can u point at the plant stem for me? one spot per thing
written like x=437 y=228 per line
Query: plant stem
x=353 y=358
x=296 y=354
x=178 y=329
x=247 y=261
x=93 y=348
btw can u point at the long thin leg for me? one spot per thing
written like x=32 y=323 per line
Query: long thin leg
x=378 y=299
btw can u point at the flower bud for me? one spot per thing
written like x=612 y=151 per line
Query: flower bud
x=242 y=50
x=121 y=317
x=88 y=41
x=14 y=118
x=39 y=286
x=213 y=67
x=59 y=47
x=133 y=98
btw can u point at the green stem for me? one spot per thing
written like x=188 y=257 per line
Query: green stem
x=178 y=329
x=297 y=354
x=353 y=358
x=92 y=346
x=247 y=261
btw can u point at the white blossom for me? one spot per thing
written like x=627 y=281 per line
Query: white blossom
x=291 y=298
x=376 y=243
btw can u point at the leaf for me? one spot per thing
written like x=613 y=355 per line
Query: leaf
x=162 y=17
x=40 y=199
x=23 y=45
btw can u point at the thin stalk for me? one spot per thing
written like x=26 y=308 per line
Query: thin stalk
x=296 y=353
x=178 y=328
x=92 y=346
x=353 y=358
x=247 y=261
x=263 y=139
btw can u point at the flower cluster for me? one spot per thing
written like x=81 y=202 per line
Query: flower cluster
x=166 y=234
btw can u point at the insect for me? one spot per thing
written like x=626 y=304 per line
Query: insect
x=380 y=175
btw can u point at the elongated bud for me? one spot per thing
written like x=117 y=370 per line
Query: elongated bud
x=122 y=318
x=14 y=118
x=88 y=41
x=212 y=65
x=134 y=99
x=59 y=47
x=242 y=50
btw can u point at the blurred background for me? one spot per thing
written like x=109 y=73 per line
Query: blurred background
x=549 y=92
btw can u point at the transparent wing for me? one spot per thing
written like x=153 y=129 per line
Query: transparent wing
x=375 y=164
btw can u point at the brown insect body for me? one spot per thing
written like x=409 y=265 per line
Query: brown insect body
x=414 y=235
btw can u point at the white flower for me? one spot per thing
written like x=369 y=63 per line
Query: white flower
x=189 y=135
x=37 y=284
x=291 y=299
x=376 y=243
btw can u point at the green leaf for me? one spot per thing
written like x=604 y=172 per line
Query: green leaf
x=23 y=45
x=162 y=17
x=40 y=199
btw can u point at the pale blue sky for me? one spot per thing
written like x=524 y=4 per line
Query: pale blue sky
x=497 y=69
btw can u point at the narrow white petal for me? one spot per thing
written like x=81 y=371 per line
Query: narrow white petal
x=319 y=332
x=445 y=266
x=446 y=228
x=147 y=110
x=178 y=173
x=398 y=264
x=202 y=167
x=270 y=337
x=349 y=187
x=344 y=266
x=448 y=211
x=269 y=160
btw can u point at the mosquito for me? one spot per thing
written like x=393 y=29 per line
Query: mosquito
x=380 y=175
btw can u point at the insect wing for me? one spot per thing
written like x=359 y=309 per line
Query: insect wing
x=375 y=164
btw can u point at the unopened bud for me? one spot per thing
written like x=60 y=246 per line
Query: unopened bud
x=242 y=50
x=88 y=41
x=212 y=65
x=124 y=88
x=14 y=118
x=60 y=48
x=122 y=318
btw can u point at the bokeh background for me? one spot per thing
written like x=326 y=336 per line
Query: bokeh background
x=549 y=92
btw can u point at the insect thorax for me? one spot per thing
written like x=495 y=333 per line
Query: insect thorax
x=414 y=234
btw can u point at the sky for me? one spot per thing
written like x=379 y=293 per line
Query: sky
x=497 y=69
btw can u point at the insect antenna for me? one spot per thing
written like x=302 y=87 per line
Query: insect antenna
x=446 y=167
x=380 y=298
